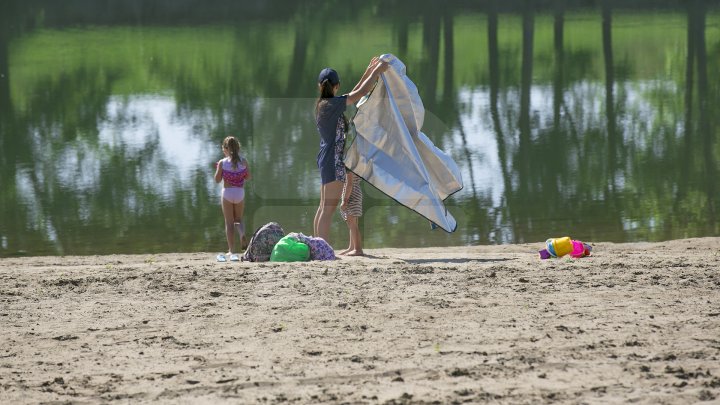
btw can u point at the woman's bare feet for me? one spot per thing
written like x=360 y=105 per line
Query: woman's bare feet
x=344 y=252
x=355 y=253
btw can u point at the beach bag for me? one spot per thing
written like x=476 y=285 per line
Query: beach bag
x=319 y=249
x=289 y=249
x=262 y=242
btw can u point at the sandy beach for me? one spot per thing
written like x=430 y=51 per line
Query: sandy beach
x=633 y=323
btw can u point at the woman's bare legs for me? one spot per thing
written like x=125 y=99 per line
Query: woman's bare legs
x=330 y=198
x=319 y=212
x=346 y=251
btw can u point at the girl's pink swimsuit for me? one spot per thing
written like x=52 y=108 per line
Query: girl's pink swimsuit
x=234 y=181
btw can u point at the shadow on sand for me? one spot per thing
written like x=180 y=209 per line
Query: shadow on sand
x=457 y=261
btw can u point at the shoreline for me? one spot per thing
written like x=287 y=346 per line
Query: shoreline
x=633 y=322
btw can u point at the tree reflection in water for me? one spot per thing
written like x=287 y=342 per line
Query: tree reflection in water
x=564 y=119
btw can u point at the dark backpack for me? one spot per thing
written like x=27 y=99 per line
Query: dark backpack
x=262 y=242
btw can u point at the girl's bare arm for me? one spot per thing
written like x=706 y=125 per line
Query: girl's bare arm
x=218 y=172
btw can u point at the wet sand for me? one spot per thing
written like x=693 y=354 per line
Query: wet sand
x=633 y=323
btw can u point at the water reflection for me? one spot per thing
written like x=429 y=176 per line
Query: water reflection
x=593 y=122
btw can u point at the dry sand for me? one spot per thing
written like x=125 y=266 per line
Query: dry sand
x=633 y=323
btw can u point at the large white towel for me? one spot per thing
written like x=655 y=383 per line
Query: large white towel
x=391 y=153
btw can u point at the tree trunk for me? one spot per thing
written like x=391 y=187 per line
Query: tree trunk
x=449 y=44
x=559 y=61
x=431 y=42
x=609 y=89
x=706 y=129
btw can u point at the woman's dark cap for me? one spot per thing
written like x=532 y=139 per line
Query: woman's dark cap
x=330 y=74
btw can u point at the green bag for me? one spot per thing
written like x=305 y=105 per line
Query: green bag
x=289 y=249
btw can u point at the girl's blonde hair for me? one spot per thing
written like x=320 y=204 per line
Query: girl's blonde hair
x=233 y=146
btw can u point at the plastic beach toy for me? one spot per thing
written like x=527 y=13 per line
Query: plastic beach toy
x=580 y=249
x=559 y=247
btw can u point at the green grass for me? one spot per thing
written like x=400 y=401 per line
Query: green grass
x=255 y=57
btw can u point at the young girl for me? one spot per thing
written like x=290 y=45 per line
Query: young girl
x=351 y=210
x=233 y=171
x=331 y=124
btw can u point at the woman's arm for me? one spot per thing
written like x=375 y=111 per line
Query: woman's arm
x=373 y=63
x=363 y=88
x=218 y=171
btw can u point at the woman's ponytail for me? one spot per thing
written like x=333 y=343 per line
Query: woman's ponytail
x=326 y=91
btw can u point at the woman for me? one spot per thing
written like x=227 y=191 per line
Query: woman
x=332 y=124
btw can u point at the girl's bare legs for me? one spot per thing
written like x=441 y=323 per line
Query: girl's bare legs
x=238 y=210
x=350 y=247
x=233 y=214
x=355 y=248
x=228 y=210
x=330 y=198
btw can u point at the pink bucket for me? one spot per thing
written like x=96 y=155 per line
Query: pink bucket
x=580 y=249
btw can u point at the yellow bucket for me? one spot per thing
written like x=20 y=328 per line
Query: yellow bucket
x=559 y=247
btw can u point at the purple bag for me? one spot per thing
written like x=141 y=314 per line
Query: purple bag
x=319 y=249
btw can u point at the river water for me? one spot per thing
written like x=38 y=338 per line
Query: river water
x=599 y=121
